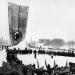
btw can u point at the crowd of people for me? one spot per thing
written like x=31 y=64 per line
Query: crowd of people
x=31 y=69
x=41 y=51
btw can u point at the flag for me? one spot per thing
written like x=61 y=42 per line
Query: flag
x=67 y=63
x=37 y=64
x=17 y=16
x=54 y=63
x=45 y=63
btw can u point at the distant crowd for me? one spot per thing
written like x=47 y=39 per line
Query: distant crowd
x=40 y=51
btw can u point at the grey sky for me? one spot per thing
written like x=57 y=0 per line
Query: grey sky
x=46 y=19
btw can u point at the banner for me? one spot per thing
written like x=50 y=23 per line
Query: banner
x=17 y=16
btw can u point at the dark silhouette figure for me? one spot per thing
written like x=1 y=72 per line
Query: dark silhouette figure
x=34 y=53
x=48 y=69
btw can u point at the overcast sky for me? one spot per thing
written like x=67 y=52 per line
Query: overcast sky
x=47 y=19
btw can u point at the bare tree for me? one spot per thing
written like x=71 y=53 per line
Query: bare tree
x=57 y=42
x=45 y=41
